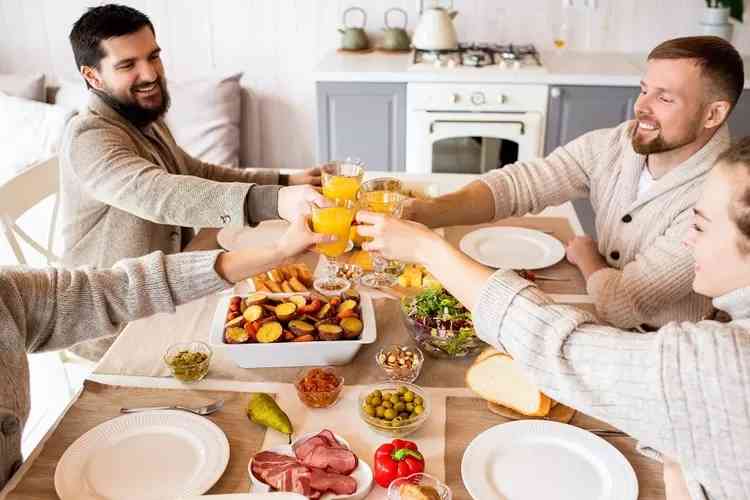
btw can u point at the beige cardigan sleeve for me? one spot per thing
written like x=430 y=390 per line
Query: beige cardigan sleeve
x=531 y=186
x=661 y=275
x=683 y=390
x=57 y=308
x=222 y=173
x=106 y=162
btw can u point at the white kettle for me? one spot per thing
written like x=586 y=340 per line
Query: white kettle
x=435 y=29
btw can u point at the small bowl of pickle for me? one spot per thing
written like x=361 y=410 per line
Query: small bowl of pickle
x=188 y=361
x=394 y=408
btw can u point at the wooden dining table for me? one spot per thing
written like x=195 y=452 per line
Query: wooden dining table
x=133 y=373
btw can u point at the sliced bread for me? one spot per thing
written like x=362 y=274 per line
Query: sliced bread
x=498 y=379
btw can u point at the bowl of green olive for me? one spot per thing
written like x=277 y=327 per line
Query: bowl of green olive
x=188 y=361
x=394 y=408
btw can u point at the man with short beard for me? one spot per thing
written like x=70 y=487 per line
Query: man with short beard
x=642 y=177
x=127 y=188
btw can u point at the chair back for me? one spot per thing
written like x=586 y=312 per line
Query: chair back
x=22 y=193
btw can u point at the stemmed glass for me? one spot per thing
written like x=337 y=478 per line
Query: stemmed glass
x=383 y=195
x=341 y=179
x=334 y=220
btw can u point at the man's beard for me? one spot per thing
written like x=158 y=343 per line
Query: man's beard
x=658 y=144
x=134 y=112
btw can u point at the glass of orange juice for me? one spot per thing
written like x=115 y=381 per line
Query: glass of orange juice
x=334 y=220
x=341 y=179
x=383 y=195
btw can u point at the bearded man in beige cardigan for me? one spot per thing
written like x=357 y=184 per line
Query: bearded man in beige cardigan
x=127 y=188
x=642 y=177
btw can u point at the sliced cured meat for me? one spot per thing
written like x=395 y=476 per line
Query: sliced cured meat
x=337 y=483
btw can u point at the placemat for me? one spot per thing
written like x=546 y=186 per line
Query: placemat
x=468 y=417
x=98 y=403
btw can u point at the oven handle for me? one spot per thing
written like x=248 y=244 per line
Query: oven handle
x=510 y=122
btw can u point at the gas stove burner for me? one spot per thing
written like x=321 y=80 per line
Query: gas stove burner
x=481 y=54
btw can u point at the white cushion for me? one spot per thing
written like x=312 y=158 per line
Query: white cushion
x=30 y=132
x=204 y=117
x=26 y=86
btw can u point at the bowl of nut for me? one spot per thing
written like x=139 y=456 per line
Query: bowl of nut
x=400 y=362
x=394 y=408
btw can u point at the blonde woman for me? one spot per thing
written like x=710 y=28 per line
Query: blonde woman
x=683 y=391
x=47 y=309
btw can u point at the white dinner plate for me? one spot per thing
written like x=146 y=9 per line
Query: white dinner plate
x=151 y=455
x=533 y=459
x=512 y=248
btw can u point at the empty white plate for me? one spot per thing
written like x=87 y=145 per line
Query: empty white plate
x=512 y=248
x=150 y=455
x=533 y=459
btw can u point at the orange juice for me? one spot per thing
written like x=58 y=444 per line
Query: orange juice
x=341 y=187
x=384 y=202
x=336 y=221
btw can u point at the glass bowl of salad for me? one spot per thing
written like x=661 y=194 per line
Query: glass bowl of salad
x=441 y=325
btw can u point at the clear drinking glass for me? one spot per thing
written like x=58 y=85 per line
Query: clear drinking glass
x=341 y=179
x=335 y=220
x=383 y=195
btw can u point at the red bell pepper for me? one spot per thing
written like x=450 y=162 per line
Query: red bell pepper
x=398 y=458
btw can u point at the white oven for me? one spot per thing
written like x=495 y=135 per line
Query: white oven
x=473 y=128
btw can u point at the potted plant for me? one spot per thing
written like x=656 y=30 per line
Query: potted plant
x=718 y=12
x=715 y=18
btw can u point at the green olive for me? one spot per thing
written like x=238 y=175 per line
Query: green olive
x=376 y=393
x=410 y=407
x=370 y=410
x=418 y=409
x=418 y=401
x=402 y=390
x=375 y=400
x=390 y=414
x=387 y=404
x=395 y=399
x=399 y=407
x=408 y=396
x=380 y=411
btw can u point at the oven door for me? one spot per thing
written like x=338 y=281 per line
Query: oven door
x=473 y=143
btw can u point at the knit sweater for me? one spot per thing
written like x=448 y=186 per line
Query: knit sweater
x=683 y=390
x=650 y=274
x=126 y=192
x=48 y=309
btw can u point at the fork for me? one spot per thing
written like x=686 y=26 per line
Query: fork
x=201 y=410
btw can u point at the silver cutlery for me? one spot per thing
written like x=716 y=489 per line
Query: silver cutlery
x=549 y=278
x=201 y=410
x=608 y=432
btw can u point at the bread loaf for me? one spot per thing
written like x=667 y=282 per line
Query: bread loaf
x=497 y=378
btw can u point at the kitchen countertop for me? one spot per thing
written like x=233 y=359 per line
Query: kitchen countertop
x=568 y=68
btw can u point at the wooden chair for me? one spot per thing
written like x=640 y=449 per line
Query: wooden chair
x=20 y=194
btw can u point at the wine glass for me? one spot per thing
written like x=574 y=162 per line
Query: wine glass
x=383 y=195
x=341 y=179
x=334 y=220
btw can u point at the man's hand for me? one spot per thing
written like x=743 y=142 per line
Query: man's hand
x=583 y=253
x=299 y=238
x=294 y=201
x=309 y=176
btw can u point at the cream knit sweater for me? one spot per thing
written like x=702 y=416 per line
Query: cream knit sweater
x=48 y=309
x=683 y=391
x=649 y=280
